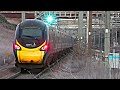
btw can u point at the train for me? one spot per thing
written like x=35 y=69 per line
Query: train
x=37 y=44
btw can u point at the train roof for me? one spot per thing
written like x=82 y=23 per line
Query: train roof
x=32 y=22
x=37 y=22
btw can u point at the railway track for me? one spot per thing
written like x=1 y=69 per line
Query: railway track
x=49 y=67
x=7 y=71
x=30 y=75
x=14 y=75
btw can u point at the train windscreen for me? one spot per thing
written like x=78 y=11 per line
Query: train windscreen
x=32 y=33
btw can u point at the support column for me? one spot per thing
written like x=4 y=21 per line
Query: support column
x=80 y=32
x=23 y=15
x=89 y=33
x=80 y=25
x=107 y=35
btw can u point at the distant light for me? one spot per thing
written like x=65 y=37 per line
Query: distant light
x=106 y=31
x=81 y=37
x=49 y=19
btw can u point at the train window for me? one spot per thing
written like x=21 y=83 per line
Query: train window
x=31 y=32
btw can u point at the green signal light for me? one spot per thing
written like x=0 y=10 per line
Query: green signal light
x=49 y=19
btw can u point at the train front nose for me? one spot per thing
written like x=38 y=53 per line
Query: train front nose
x=28 y=56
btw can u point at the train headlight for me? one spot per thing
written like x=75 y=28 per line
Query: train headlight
x=44 y=48
x=17 y=47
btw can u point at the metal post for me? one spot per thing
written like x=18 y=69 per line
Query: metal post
x=35 y=14
x=89 y=32
x=23 y=15
x=80 y=25
x=87 y=28
x=107 y=35
x=80 y=31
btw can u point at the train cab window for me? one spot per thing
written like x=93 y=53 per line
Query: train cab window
x=31 y=29
x=31 y=33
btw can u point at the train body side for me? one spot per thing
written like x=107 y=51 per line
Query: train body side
x=59 y=40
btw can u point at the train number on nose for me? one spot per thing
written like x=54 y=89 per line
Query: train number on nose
x=31 y=45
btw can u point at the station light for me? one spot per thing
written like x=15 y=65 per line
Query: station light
x=50 y=18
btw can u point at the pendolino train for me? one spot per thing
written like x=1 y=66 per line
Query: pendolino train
x=36 y=44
